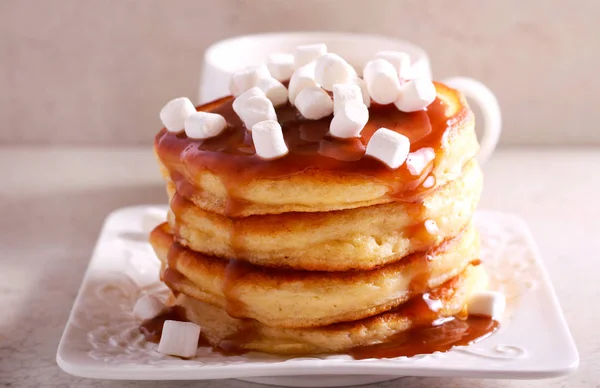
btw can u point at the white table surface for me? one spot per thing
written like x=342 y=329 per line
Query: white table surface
x=53 y=202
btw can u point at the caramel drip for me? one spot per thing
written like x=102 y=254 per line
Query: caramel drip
x=428 y=339
x=231 y=155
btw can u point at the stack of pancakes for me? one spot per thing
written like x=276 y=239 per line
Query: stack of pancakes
x=323 y=250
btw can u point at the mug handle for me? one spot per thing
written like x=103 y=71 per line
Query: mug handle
x=488 y=104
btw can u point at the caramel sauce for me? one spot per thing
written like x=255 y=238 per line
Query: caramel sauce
x=430 y=332
x=429 y=339
x=231 y=155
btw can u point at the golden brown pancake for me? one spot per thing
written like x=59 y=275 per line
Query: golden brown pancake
x=222 y=330
x=287 y=298
x=225 y=176
x=361 y=238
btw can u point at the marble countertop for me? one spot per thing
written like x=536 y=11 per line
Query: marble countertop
x=53 y=203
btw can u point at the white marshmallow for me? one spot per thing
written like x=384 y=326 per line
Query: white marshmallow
x=431 y=227
x=388 y=146
x=243 y=80
x=281 y=66
x=382 y=81
x=204 y=125
x=487 y=303
x=418 y=160
x=350 y=119
x=274 y=90
x=257 y=109
x=331 y=69
x=429 y=182
x=415 y=95
x=308 y=53
x=303 y=77
x=268 y=140
x=314 y=103
x=343 y=93
x=174 y=113
x=400 y=60
x=148 y=307
x=242 y=99
x=179 y=339
x=363 y=89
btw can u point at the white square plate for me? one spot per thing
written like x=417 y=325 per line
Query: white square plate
x=101 y=339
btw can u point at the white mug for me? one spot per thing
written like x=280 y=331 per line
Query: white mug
x=224 y=57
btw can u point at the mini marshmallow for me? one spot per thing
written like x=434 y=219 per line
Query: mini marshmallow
x=487 y=303
x=268 y=139
x=418 y=160
x=243 y=80
x=281 y=66
x=242 y=99
x=148 y=307
x=400 y=60
x=204 y=125
x=179 y=339
x=415 y=95
x=257 y=109
x=350 y=119
x=303 y=77
x=343 y=93
x=331 y=69
x=388 y=146
x=431 y=227
x=174 y=113
x=308 y=53
x=274 y=91
x=429 y=182
x=314 y=103
x=363 y=89
x=382 y=81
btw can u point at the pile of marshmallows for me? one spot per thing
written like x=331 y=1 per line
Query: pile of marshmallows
x=313 y=73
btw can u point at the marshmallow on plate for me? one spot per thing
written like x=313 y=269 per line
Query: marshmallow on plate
x=382 y=81
x=179 y=339
x=148 y=307
x=241 y=100
x=332 y=69
x=308 y=53
x=303 y=77
x=363 y=89
x=281 y=66
x=415 y=95
x=419 y=159
x=274 y=90
x=174 y=113
x=388 y=146
x=314 y=103
x=268 y=139
x=487 y=303
x=243 y=80
x=350 y=119
x=343 y=93
x=204 y=125
x=257 y=109
x=400 y=60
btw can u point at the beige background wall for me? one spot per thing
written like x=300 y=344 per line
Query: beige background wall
x=97 y=72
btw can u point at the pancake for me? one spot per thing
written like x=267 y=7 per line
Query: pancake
x=361 y=238
x=287 y=298
x=221 y=330
x=225 y=176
